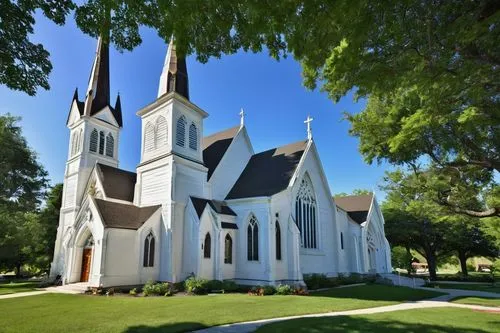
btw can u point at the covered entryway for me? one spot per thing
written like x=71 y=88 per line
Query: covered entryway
x=87 y=259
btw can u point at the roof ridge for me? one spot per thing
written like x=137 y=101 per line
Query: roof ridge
x=222 y=131
x=283 y=146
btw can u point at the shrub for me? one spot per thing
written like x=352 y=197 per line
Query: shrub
x=301 y=291
x=179 y=286
x=229 y=286
x=110 y=292
x=213 y=285
x=284 y=289
x=317 y=281
x=158 y=289
x=133 y=292
x=169 y=293
x=268 y=290
x=196 y=286
x=256 y=291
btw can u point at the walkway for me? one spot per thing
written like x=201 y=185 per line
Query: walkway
x=441 y=301
x=24 y=294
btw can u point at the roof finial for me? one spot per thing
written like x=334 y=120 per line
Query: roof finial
x=309 y=129
x=242 y=118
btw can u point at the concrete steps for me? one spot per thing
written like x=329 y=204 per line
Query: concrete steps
x=73 y=288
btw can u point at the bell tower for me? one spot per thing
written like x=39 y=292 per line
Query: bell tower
x=94 y=127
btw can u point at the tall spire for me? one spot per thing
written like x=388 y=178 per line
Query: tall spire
x=98 y=89
x=174 y=76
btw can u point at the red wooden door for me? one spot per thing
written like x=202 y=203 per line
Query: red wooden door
x=87 y=255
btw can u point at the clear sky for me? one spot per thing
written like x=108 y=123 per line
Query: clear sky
x=271 y=93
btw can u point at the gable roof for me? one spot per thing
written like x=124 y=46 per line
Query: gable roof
x=268 y=172
x=124 y=216
x=218 y=206
x=215 y=146
x=117 y=183
x=356 y=206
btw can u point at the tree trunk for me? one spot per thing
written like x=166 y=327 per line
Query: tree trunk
x=431 y=262
x=409 y=268
x=463 y=263
x=18 y=270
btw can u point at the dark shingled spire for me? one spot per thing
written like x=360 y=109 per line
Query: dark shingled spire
x=98 y=89
x=174 y=76
x=117 y=111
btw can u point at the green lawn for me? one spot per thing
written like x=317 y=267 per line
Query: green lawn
x=17 y=287
x=480 y=287
x=79 y=313
x=445 y=320
x=478 y=301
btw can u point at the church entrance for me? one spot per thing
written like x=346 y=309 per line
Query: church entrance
x=86 y=259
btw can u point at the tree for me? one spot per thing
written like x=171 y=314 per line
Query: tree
x=412 y=221
x=49 y=221
x=22 y=188
x=22 y=178
x=24 y=65
x=357 y=191
x=466 y=238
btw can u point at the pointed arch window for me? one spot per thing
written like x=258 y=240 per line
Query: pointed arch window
x=253 y=239
x=160 y=132
x=93 y=141
x=180 y=135
x=74 y=143
x=278 y=241
x=305 y=214
x=149 y=137
x=101 y=143
x=149 y=251
x=207 y=246
x=228 y=250
x=110 y=145
x=193 y=137
x=80 y=141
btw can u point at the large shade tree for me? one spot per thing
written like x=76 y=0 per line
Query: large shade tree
x=429 y=69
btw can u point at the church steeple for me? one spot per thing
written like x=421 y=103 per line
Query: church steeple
x=174 y=76
x=97 y=96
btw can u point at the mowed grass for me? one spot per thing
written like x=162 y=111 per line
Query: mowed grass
x=79 y=313
x=489 y=287
x=7 y=287
x=478 y=301
x=445 y=320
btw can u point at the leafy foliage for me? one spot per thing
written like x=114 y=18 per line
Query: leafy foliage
x=156 y=289
x=25 y=65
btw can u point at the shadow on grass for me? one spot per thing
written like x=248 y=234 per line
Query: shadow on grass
x=374 y=292
x=169 y=328
x=359 y=324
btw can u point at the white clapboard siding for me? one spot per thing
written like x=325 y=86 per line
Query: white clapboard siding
x=155 y=186
x=70 y=189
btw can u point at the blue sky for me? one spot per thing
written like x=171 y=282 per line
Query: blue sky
x=271 y=93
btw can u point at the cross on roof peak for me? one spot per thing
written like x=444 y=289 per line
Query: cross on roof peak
x=242 y=117
x=309 y=129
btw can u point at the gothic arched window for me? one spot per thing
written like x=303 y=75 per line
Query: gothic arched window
x=110 y=145
x=149 y=137
x=149 y=251
x=253 y=239
x=161 y=132
x=80 y=141
x=193 y=137
x=74 y=143
x=101 y=143
x=228 y=250
x=93 y=141
x=207 y=246
x=278 y=241
x=180 y=135
x=305 y=214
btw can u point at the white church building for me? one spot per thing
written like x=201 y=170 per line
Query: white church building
x=205 y=206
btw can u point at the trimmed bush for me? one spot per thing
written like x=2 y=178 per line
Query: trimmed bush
x=157 y=289
x=133 y=292
x=268 y=290
x=196 y=286
x=229 y=286
x=284 y=289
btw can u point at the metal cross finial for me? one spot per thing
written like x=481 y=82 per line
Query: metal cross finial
x=242 y=118
x=309 y=129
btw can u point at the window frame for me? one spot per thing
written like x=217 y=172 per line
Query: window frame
x=207 y=246
x=148 y=259
x=253 y=239
x=228 y=249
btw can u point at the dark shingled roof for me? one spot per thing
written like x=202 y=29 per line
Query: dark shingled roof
x=215 y=146
x=269 y=172
x=356 y=206
x=117 y=183
x=123 y=216
x=218 y=206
